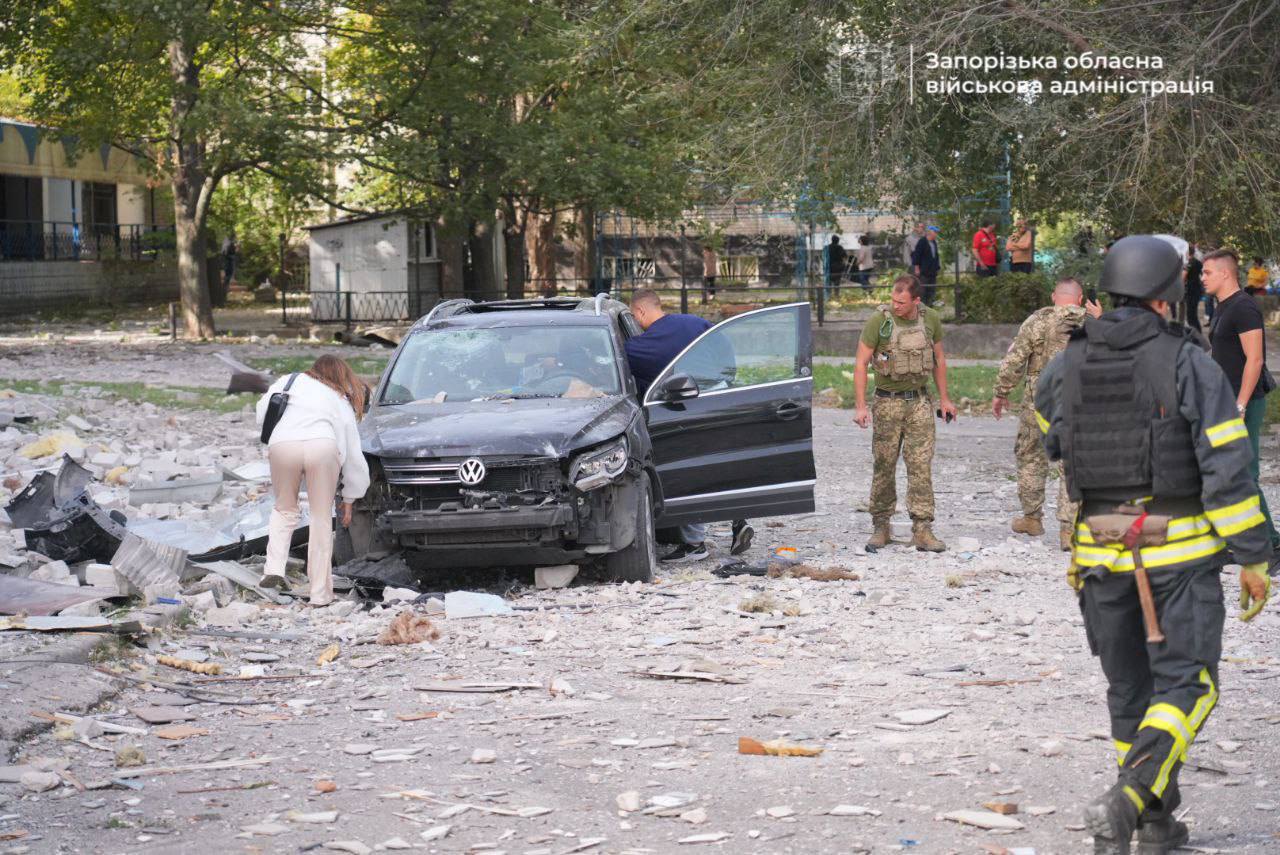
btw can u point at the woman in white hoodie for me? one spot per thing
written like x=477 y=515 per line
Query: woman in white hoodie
x=316 y=438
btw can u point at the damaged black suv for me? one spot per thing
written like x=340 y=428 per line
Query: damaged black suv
x=510 y=434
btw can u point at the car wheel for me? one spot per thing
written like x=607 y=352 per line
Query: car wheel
x=636 y=562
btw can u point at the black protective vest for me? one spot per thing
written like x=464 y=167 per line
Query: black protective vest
x=1124 y=436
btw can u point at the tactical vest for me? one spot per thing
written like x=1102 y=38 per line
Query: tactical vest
x=909 y=352
x=1125 y=436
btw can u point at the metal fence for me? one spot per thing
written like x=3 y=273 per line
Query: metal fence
x=349 y=307
x=29 y=240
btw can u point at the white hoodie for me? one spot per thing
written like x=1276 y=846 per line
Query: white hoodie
x=316 y=411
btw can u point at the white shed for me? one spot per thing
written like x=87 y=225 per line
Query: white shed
x=378 y=267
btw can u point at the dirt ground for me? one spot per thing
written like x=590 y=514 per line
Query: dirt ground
x=580 y=747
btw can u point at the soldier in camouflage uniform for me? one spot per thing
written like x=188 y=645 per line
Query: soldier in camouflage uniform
x=904 y=341
x=1041 y=337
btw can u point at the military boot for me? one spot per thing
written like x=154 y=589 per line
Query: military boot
x=1112 y=819
x=1028 y=525
x=923 y=540
x=1065 y=536
x=880 y=534
x=1162 y=836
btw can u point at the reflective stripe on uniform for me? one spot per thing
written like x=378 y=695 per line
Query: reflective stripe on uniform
x=1234 y=519
x=1171 y=720
x=1117 y=559
x=1205 y=704
x=1228 y=431
x=1040 y=420
x=1122 y=750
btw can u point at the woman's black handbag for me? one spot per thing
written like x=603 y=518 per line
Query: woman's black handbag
x=275 y=410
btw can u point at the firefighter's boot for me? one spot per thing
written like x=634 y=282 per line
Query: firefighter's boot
x=1162 y=836
x=1113 y=818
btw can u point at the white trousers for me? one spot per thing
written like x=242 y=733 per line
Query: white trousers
x=317 y=460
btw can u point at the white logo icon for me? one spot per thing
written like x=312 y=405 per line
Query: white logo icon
x=471 y=471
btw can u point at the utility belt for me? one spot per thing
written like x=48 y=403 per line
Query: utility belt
x=908 y=395
x=1176 y=533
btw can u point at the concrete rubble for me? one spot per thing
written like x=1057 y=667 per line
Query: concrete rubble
x=948 y=702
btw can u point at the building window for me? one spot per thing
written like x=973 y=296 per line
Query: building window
x=629 y=268
x=739 y=269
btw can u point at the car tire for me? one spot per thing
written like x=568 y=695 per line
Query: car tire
x=636 y=563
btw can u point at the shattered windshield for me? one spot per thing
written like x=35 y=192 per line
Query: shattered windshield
x=504 y=363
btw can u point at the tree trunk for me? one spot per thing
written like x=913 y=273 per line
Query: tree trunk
x=542 y=252
x=584 y=260
x=193 y=280
x=191 y=191
x=513 y=246
x=484 y=285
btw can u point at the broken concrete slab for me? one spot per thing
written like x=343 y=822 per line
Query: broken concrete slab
x=559 y=576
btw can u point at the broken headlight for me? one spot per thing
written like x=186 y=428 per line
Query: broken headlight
x=596 y=468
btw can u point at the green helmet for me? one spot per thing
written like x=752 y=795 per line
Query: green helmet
x=1143 y=267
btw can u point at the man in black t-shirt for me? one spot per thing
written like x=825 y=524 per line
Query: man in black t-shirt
x=1239 y=347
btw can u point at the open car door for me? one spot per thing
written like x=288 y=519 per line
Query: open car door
x=731 y=419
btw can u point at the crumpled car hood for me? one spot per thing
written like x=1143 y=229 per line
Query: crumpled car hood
x=550 y=427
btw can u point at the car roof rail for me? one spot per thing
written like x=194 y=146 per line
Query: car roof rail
x=447 y=308
x=600 y=298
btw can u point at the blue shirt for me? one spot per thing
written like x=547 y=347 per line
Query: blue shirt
x=653 y=350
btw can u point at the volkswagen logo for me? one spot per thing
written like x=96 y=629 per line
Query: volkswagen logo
x=471 y=471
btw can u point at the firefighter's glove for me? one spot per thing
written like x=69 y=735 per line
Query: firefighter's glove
x=1255 y=588
x=1074 y=579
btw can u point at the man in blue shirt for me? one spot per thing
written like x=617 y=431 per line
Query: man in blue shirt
x=663 y=339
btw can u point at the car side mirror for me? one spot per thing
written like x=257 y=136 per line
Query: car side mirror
x=678 y=387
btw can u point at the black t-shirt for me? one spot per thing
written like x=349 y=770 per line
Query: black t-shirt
x=1237 y=314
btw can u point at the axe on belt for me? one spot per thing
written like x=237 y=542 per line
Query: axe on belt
x=1133 y=528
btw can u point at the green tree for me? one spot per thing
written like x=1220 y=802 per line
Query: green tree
x=503 y=105
x=200 y=91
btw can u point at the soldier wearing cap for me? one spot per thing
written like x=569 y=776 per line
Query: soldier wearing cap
x=1153 y=448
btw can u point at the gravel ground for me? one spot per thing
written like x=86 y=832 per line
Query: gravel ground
x=589 y=754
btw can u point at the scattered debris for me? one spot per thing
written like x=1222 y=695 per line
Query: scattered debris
x=130 y=755
x=409 y=628
x=21 y=596
x=786 y=570
x=1002 y=808
x=560 y=576
x=329 y=654
x=199 y=489
x=984 y=819
x=180 y=731
x=921 y=716
x=210 y=668
x=462 y=687
x=469 y=604
x=775 y=748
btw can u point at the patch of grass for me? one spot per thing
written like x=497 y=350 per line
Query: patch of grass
x=369 y=366
x=163 y=397
x=974 y=382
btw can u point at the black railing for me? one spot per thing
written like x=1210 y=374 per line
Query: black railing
x=30 y=240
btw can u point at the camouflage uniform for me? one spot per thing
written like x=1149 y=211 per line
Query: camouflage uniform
x=903 y=427
x=1040 y=338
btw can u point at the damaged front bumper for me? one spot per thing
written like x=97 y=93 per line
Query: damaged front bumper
x=543 y=520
